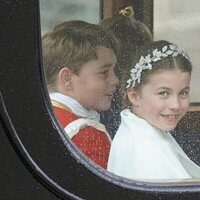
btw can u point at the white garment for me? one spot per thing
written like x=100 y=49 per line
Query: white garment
x=141 y=151
x=75 y=106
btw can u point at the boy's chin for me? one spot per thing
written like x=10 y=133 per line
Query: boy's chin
x=104 y=107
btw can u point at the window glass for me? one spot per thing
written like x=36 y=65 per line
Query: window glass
x=56 y=11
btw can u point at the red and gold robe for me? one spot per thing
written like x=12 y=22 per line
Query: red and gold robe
x=92 y=142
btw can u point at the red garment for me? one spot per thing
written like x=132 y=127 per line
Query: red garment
x=94 y=143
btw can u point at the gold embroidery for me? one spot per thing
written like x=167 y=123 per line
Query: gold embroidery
x=60 y=105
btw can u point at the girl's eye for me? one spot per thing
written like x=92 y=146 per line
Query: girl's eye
x=163 y=93
x=184 y=93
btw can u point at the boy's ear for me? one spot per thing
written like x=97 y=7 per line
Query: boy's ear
x=133 y=96
x=64 y=77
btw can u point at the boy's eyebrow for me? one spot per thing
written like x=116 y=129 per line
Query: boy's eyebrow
x=107 y=65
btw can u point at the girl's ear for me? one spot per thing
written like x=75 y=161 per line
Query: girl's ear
x=133 y=96
x=64 y=77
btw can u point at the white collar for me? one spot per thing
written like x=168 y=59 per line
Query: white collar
x=134 y=122
x=75 y=106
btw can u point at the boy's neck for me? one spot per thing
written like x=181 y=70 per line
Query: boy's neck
x=74 y=106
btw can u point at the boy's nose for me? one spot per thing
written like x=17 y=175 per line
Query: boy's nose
x=115 y=80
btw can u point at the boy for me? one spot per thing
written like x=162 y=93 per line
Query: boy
x=79 y=61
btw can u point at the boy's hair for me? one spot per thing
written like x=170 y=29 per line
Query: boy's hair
x=71 y=44
x=180 y=61
x=130 y=34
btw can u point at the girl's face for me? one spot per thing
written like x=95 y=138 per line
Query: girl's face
x=164 y=100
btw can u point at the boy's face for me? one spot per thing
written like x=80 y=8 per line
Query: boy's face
x=164 y=100
x=93 y=88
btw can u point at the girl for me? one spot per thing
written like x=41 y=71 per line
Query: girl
x=158 y=93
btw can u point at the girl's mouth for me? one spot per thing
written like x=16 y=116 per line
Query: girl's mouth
x=171 y=117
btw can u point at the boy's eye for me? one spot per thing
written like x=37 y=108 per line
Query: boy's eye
x=104 y=72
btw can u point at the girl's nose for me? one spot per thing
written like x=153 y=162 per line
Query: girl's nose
x=174 y=103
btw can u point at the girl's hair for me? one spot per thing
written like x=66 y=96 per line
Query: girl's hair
x=71 y=44
x=170 y=57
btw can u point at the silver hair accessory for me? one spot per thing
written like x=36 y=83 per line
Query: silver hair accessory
x=145 y=62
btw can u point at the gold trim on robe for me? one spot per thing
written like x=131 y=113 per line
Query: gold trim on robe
x=60 y=105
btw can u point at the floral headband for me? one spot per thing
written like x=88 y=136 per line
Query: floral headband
x=145 y=62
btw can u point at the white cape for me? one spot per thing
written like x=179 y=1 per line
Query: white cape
x=141 y=151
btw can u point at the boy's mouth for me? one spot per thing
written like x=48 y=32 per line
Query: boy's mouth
x=110 y=95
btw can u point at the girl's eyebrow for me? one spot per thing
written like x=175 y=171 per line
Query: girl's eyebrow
x=186 y=88
x=166 y=88
x=163 y=88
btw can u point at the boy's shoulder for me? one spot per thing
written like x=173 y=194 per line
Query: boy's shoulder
x=63 y=113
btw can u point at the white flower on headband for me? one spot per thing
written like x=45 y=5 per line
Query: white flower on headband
x=145 y=62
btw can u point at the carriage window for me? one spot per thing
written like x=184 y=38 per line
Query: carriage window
x=174 y=21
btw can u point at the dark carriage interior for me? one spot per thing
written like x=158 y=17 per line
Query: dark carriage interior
x=187 y=134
